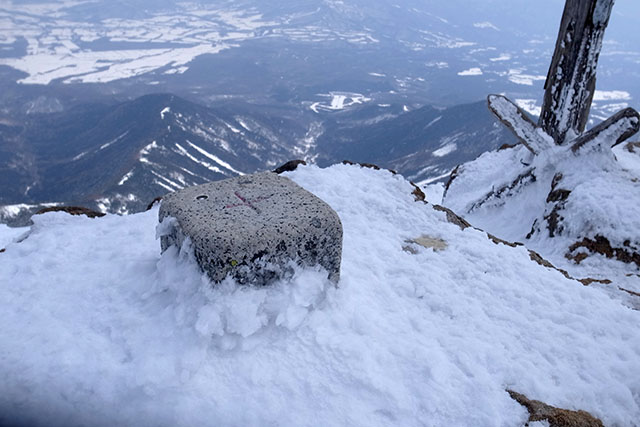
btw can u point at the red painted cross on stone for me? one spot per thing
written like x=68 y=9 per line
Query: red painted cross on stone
x=248 y=203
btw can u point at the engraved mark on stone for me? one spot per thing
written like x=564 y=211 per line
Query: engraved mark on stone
x=247 y=202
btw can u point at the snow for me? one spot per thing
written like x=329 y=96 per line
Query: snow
x=518 y=76
x=11 y=211
x=339 y=101
x=126 y=336
x=475 y=71
x=126 y=177
x=604 y=186
x=502 y=57
x=184 y=152
x=447 y=149
x=531 y=106
x=611 y=95
x=486 y=25
x=9 y=234
x=164 y=111
x=56 y=39
x=215 y=158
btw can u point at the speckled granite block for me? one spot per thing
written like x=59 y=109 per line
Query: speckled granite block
x=252 y=226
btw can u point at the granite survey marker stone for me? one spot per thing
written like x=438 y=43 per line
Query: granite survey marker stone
x=251 y=227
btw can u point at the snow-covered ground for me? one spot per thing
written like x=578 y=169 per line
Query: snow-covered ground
x=99 y=329
x=9 y=234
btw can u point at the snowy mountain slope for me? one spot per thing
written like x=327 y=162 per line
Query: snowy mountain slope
x=423 y=145
x=117 y=158
x=129 y=337
x=124 y=155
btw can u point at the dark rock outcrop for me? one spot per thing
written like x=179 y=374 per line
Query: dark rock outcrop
x=72 y=210
x=556 y=417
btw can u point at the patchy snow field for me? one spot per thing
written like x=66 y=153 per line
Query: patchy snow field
x=99 y=329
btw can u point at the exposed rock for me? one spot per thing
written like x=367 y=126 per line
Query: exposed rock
x=2 y=250
x=507 y=146
x=556 y=417
x=498 y=240
x=252 y=227
x=632 y=147
x=635 y=294
x=153 y=203
x=454 y=174
x=72 y=210
x=290 y=166
x=418 y=193
x=452 y=217
x=601 y=245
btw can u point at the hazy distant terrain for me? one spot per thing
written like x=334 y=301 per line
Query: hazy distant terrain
x=324 y=80
x=304 y=52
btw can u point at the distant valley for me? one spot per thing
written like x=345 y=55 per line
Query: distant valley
x=117 y=158
x=112 y=103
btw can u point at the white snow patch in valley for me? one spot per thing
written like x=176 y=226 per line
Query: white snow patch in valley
x=113 y=141
x=215 y=158
x=164 y=111
x=517 y=76
x=339 y=101
x=126 y=336
x=437 y=64
x=433 y=122
x=79 y=156
x=502 y=57
x=126 y=177
x=184 y=152
x=447 y=149
x=530 y=106
x=486 y=25
x=611 y=95
x=243 y=124
x=475 y=71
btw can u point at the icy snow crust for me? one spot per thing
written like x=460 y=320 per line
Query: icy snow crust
x=605 y=188
x=99 y=329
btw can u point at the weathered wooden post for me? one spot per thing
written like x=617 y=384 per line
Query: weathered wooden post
x=570 y=87
x=571 y=80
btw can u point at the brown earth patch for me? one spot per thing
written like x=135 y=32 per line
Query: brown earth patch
x=556 y=417
x=632 y=147
x=507 y=146
x=601 y=245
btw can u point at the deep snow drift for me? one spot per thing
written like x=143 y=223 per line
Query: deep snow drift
x=99 y=329
x=511 y=194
